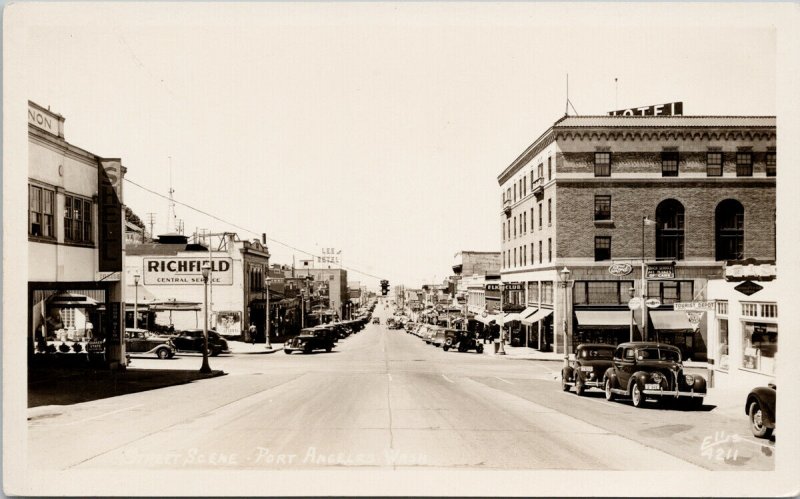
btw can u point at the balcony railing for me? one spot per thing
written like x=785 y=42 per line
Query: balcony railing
x=537 y=187
x=507 y=207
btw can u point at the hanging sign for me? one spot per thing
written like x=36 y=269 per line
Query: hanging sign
x=748 y=288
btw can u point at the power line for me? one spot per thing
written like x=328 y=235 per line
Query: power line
x=198 y=210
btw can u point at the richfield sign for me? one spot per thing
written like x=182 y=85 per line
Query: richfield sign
x=186 y=270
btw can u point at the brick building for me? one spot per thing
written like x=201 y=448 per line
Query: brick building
x=683 y=194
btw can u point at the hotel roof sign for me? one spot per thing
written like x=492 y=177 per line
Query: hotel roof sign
x=669 y=109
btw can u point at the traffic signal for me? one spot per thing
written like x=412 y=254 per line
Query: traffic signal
x=384 y=287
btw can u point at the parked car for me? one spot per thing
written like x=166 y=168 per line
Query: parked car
x=591 y=362
x=143 y=342
x=438 y=337
x=310 y=339
x=462 y=340
x=647 y=369
x=760 y=407
x=191 y=340
x=376 y=320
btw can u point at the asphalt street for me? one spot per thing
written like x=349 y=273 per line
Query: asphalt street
x=384 y=399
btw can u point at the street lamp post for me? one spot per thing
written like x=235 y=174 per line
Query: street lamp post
x=631 y=294
x=267 y=280
x=136 y=277
x=205 y=269
x=645 y=221
x=565 y=283
x=501 y=349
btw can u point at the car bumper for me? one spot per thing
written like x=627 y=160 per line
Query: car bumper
x=674 y=393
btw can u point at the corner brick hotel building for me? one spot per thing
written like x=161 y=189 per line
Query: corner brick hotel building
x=683 y=194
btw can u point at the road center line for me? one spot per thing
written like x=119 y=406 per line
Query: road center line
x=504 y=380
x=448 y=379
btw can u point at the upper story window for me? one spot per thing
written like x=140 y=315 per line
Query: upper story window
x=549 y=168
x=540 y=216
x=540 y=170
x=722 y=307
x=744 y=164
x=602 y=248
x=41 y=205
x=549 y=249
x=729 y=230
x=602 y=207
x=669 y=230
x=669 y=163
x=714 y=164
x=515 y=227
x=602 y=164
x=503 y=231
x=771 y=164
x=524 y=186
x=77 y=220
x=515 y=193
x=549 y=212
x=669 y=292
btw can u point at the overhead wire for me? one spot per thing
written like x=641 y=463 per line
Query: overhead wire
x=245 y=229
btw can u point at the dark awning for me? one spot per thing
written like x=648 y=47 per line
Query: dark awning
x=71 y=300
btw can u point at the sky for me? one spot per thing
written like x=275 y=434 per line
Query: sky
x=375 y=129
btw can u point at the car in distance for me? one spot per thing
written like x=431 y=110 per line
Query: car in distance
x=191 y=340
x=310 y=339
x=760 y=408
x=143 y=342
x=376 y=320
x=592 y=360
x=648 y=369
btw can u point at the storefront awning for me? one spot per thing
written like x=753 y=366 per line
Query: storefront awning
x=527 y=312
x=173 y=306
x=71 y=300
x=670 y=320
x=539 y=315
x=487 y=319
x=603 y=317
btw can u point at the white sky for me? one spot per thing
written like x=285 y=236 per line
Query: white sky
x=378 y=129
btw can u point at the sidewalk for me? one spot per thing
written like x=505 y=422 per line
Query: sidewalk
x=240 y=347
x=522 y=353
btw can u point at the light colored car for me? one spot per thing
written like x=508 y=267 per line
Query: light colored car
x=143 y=342
x=439 y=336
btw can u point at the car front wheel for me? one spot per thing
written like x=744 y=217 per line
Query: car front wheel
x=609 y=394
x=757 y=421
x=637 y=397
x=564 y=385
x=163 y=353
x=579 y=388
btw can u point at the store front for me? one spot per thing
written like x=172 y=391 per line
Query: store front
x=610 y=327
x=673 y=328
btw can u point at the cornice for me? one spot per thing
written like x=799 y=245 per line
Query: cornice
x=766 y=133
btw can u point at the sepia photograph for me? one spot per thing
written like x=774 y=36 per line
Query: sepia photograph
x=399 y=249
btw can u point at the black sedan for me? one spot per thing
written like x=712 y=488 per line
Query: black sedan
x=191 y=340
x=760 y=407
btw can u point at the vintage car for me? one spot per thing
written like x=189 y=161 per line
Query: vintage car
x=461 y=340
x=191 y=340
x=760 y=407
x=587 y=369
x=310 y=339
x=646 y=369
x=376 y=320
x=439 y=336
x=143 y=342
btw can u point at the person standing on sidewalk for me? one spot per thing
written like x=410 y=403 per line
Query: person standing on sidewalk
x=252 y=331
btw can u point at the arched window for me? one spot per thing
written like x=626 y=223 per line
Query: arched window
x=669 y=230
x=729 y=230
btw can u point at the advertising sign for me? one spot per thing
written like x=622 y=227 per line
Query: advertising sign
x=620 y=269
x=109 y=187
x=669 y=109
x=661 y=270
x=186 y=270
x=751 y=269
x=653 y=303
x=635 y=303
x=694 y=305
x=513 y=286
x=748 y=288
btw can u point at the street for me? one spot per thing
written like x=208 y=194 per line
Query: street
x=383 y=398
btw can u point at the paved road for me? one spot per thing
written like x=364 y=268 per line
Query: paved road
x=384 y=399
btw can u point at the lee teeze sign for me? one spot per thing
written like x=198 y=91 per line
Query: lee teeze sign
x=186 y=270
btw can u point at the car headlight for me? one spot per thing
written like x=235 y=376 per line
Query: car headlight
x=657 y=377
x=591 y=375
x=689 y=379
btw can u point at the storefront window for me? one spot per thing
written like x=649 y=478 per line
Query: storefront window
x=547 y=292
x=760 y=346
x=601 y=292
x=533 y=293
x=723 y=344
x=669 y=292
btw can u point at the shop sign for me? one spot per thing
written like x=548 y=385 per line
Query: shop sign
x=513 y=286
x=748 y=288
x=107 y=276
x=653 y=303
x=669 y=109
x=96 y=346
x=661 y=270
x=45 y=120
x=708 y=306
x=635 y=303
x=186 y=270
x=620 y=269
x=492 y=287
x=750 y=269
x=109 y=186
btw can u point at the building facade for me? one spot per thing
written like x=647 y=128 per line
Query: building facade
x=75 y=244
x=602 y=209
x=165 y=276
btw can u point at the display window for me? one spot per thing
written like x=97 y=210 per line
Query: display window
x=760 y=342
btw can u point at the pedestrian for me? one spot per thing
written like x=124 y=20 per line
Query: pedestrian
x=252 y=331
